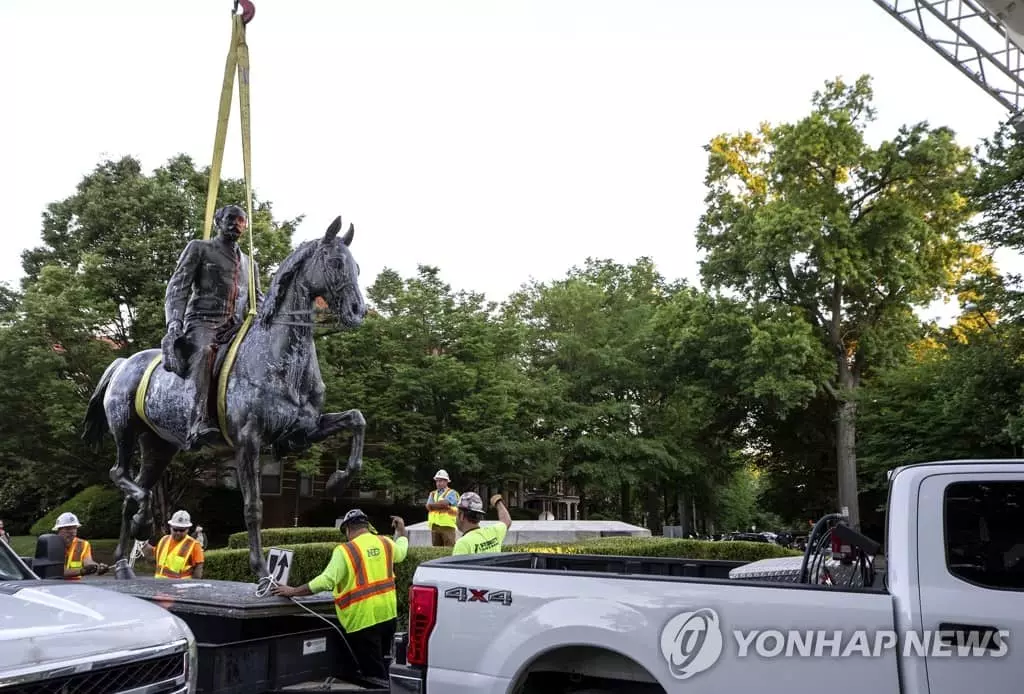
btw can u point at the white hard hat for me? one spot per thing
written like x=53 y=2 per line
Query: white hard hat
x=471 y=501
x=442 y=475
x=180 y=519
x=66 y=520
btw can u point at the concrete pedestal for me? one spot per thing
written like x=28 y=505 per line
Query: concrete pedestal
x=564 y=532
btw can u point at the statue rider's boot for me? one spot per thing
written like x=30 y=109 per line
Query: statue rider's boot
x=204 y=431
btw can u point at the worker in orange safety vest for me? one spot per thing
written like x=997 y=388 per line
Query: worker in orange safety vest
x=361 y=575
x=78 y=559
x=177 y=555
x=441 y=511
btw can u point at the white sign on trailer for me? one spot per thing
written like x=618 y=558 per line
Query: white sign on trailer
x=279 y=564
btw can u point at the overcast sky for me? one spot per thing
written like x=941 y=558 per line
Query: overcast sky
x=497 y=140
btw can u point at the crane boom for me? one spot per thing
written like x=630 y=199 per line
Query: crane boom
x=981 y=38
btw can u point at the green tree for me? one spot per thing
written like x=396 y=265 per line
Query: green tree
x=999 y=189
x=724 y=368
x=437 y=374
x=652 y=385
x=958 y=398
x=93 y=290
x=997 y=194
x=41 y=460
x=812 y=216
x=118 y=237
x=589 y=337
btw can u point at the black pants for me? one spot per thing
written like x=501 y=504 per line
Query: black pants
x=371 y=646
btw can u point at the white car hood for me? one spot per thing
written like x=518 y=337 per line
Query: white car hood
x=43 y=622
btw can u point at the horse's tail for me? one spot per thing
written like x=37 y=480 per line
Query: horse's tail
x=95 y=423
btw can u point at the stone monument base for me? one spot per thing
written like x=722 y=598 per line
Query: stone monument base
x=249 y=644
x=523 y=531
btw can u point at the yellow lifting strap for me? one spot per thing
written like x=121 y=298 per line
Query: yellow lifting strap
x=237 y=60
x=143 y=390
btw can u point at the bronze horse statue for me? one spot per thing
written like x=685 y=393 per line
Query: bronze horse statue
x=274 y=394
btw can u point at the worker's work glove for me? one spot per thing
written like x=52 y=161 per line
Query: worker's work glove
x=102 y=569
x=90 y=569
x=495 y=499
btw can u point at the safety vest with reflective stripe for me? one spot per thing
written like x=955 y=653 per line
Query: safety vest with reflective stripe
x=367 y=595
x=174 y=562
x=445 y=518
x=74 y=557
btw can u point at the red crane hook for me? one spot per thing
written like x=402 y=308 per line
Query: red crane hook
x=248 y=10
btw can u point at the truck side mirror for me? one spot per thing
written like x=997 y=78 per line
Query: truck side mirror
x=49 y=559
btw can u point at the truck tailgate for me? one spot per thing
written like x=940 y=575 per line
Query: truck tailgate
x=492 y=623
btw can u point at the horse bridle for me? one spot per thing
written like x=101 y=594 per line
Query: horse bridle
x=307 y=312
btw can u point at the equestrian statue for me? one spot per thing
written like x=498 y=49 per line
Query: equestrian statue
x=232 y=377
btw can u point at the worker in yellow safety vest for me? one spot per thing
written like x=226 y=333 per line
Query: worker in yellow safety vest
x=477 y=540
x=78 y=559
x=177 y=554
x=361 y=574
x=441 y=511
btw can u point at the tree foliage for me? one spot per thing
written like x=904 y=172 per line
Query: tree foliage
x=93 y=290
x=811 y=216
x=717 y=407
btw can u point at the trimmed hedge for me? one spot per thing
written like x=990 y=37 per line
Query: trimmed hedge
x=98 y=509
x=664 y=547
x=629 y=546
x=276 y=537
x=311 y=558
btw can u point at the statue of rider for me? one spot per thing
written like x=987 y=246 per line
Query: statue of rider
x=206 y=300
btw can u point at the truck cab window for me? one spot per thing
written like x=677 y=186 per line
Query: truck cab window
x=984 y=533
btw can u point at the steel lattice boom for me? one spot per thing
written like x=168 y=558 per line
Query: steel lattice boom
x=971 y=38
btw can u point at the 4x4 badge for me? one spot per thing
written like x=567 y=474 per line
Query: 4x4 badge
x=463 y=594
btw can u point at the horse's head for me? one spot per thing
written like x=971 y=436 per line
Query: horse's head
x=333 y=274
x=321 y=268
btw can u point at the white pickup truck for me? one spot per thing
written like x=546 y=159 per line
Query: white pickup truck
x=60 y=636
x=939 y=613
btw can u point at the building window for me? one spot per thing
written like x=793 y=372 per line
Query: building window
x=270 y=478
x=984 y=521
x=305 y=484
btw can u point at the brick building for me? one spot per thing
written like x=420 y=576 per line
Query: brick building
x=293 y=499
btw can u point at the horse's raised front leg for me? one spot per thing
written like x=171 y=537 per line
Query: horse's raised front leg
x=332 y=423
x=247 y=465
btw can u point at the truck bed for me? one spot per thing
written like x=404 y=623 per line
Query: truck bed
x=591 y=563
x=704 y=570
